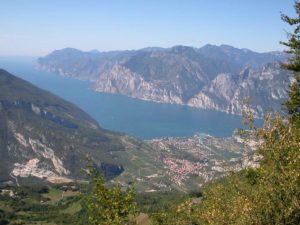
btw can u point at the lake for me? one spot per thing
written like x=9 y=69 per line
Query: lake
x=142 y=119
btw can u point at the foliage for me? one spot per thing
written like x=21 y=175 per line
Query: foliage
x=156 y=202
x=293 y=43
x=109 y=205
x=29 y=206
x=265 y=195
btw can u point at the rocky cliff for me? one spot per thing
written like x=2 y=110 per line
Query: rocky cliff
x=212 y=77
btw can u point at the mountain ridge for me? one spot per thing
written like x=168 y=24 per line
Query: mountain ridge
x=180 y=75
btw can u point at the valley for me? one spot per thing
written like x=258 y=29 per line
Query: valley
x=150 y=112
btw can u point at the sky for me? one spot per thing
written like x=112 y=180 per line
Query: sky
x=37 y=27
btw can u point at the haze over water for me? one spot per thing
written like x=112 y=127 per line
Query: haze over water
x=142 y=119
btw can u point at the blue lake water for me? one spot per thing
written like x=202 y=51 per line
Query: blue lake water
x=120 y=113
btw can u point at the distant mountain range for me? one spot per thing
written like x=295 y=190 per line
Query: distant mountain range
x=211 y=77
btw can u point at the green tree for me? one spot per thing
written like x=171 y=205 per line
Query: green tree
x=109 y=205
x=293 y=44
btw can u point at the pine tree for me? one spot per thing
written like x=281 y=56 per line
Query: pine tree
x=293 y=43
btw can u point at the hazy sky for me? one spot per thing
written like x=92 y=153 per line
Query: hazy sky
x=37 y=27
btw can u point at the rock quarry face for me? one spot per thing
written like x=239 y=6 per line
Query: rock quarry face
x=211 y=77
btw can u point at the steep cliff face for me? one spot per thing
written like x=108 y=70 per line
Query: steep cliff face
x=121 y=80
x=266 y=87
x=211 y=77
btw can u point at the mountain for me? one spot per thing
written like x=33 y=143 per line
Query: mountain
x=212 y=77
x=45 y=138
